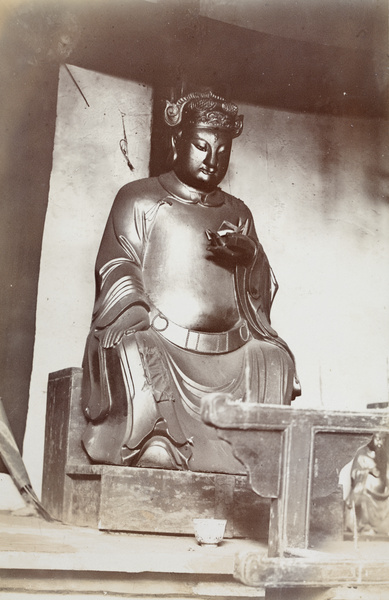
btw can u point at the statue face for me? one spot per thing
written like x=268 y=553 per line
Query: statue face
x=378 y=440
x=202 y=157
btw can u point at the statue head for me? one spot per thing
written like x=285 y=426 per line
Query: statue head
x=204 y=127
x=378 y=440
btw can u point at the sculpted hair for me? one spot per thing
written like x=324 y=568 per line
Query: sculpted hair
x=204 y=109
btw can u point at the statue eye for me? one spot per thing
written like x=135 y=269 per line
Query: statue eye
x=200 y=146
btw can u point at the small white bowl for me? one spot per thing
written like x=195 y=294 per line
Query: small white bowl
x=209 y=532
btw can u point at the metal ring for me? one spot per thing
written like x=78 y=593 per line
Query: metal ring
x=163 y=323
x=244 y=332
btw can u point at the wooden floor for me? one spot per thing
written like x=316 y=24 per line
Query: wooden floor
x=40 y=559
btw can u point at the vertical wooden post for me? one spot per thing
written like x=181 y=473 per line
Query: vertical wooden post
x=290 y=512
x=64 y=426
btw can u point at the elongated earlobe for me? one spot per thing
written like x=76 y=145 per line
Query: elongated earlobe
x=173 y=143
x=174 y=153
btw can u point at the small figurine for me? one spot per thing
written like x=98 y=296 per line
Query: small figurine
x=367 y=504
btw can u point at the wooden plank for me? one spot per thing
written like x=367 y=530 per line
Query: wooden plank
x=291 y=518
x=135 y=596
x=298 y=593
x=251 y=513
x=225 y=414
x=265 y=466
x=152 y=500
x=134 y=585
x=37 y=554
x=82 y=500
x=320 y=570
x=63 y=428
x=55 y=547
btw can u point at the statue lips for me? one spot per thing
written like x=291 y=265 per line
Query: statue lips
x=208 y=172
x=210 y=175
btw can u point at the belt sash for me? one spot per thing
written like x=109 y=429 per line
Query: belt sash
x=200 y=341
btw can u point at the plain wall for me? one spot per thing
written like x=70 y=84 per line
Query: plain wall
x=318 y=189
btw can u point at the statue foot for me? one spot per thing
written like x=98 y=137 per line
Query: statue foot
x=157 y=454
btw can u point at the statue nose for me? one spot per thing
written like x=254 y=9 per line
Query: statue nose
x=211 y=162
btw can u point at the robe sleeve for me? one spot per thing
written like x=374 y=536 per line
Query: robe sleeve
x=118 y=273
x=256 y=286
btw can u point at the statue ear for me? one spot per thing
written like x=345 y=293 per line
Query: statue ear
x=174 y=141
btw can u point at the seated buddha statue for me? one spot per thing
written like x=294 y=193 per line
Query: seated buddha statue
x=182 y=309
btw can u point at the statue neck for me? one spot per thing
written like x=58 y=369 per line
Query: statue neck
x=187 y=194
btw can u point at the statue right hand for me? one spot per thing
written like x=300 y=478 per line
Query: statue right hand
x=234 y=248
x=134 y=319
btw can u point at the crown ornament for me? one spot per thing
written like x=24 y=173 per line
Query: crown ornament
x=204 y=109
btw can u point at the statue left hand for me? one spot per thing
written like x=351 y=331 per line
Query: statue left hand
x=234 y=248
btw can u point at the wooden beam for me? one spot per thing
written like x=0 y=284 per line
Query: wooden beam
x=315 y=571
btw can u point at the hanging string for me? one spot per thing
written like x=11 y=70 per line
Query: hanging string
x=124 y=144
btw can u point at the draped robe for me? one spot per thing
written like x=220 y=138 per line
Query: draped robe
x=210 y=328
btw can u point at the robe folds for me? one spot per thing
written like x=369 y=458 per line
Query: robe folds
x=209 y=328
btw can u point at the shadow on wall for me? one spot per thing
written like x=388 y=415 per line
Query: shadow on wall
x=356 y=24
x=351 y=145
x=377 y=171
x=304 y=56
